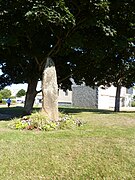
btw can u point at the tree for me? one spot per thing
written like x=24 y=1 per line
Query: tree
x=122 y=65
x=31 y=31
x=79 y=35
x=116 y=64
x=1 y=97
x=5 y=80
x=20 y=93
x=5 y=93
x=124 y=45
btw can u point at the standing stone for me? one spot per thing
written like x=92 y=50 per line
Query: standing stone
x=50 y=91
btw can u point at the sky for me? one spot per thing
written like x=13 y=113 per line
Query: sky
x=14 y=88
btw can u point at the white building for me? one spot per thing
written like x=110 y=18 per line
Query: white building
x=106 y=98
x=64 y=98
x=84 y=96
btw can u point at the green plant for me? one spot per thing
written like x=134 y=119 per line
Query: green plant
x=67 y=124
x=133 y=103
x=20 y=93
x=39 y=121
x=5 y=93
x=50 y=126
x=13 y=101
x=21 y=125
x=1 y=97
x=3 y=101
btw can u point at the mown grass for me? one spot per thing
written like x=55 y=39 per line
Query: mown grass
x=103 y=148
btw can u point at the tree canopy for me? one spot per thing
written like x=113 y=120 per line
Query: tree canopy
x=20 y=93
x=5 y=93
x=91 y=41
x=33 y=30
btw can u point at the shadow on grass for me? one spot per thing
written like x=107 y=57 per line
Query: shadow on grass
x=10 y=113
x=6 y=114
x=75 y=110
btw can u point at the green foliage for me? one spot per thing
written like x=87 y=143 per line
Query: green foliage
x=133 y=103
x=3 y=101
x=5 y=93
x=5 y=80
x=21 y=125
x=50 y=126
x=57 y=13
x=133 y=96
x=66 y=122
x=40 y=122
x=1 y=97
x=92 y=40
x=20 y=93
x=13 y=101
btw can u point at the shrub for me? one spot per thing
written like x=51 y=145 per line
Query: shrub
x=41 y=122
x=5 y=93
x=3 y=101
x=21 y=93
x=13 y=101
x=133 y=103
x=1 y=97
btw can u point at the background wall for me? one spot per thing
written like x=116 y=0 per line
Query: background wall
x=84 y=96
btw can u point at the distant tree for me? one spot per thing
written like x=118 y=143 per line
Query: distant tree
x=5 y=93
x=0 y=97
x=20 y=93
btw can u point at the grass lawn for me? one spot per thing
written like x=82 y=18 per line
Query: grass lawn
x=103 y=148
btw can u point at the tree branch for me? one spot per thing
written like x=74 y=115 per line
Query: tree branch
x=39 y=91
x=65 y=78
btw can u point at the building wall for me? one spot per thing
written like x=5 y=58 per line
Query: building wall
x=84 y=96
x=106 y=97
x=65 y=97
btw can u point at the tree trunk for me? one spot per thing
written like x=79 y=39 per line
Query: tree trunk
x=117 y=98
x=50 y=91
x=30 y=96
